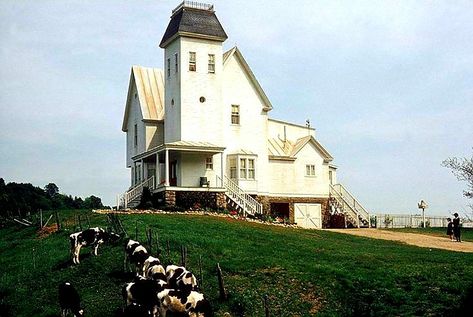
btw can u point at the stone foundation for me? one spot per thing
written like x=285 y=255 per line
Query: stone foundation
x=267 y=200
x=198 y=199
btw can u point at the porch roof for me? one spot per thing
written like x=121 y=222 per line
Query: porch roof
x=183 y=146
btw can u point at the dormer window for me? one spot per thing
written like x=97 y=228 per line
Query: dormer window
x=211 y=64
x=192 y=62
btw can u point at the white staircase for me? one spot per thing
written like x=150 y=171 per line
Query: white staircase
x=343 y=201
x=132 y=197
x=239 y=199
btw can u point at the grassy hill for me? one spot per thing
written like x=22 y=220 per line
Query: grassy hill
x=303 y=272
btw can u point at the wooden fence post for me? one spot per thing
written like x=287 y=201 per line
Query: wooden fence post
x=200 y=272
x=183 y=256
x=221 y=286
x=41 y=218
x=80 y=223
x=266 y=305
x=149 y=237
x=58 y=225
x=158 y=249
x=168 y=250
x=136 y=230
x=88 y=220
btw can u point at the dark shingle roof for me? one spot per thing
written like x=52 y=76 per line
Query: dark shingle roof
x=200 y=23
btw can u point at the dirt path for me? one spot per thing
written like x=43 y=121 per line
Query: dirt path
x=421 y=240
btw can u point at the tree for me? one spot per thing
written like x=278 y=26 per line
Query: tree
x=462 y=168
x=51 y=190
x=93 y=202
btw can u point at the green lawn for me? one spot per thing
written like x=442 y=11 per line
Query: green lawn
x=303 y=272
x=466 y=233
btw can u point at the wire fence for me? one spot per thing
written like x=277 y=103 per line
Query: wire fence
x=412 y=221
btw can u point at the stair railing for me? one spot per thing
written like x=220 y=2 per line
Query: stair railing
x=239 y=196
x=347 y=199
x=137 y=190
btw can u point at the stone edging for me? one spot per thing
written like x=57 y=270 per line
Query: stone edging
x=191 y=212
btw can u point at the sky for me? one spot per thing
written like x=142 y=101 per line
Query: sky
x=388 y=86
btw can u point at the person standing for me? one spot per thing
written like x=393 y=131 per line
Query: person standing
x=450 y=229
x=456 y=227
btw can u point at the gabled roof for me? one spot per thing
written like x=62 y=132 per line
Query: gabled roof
x=191 y=21
x=149 y=83
x=279 y=149
x=246 y=68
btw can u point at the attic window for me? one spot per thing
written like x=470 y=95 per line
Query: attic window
x=136 y=95
x=169 y=67
x=202 y=99
x=192 y=62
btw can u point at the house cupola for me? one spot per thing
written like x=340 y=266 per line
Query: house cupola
x=195 y=20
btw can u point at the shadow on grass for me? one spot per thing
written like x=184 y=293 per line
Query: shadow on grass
x=122 y=276
x=68 y=263
x=466 y=307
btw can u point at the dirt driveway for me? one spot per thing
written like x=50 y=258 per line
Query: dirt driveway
x=421 y=240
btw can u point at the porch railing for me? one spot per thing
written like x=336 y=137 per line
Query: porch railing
x=248 y=204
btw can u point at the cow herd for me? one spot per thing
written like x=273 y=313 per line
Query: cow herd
x=155 y=289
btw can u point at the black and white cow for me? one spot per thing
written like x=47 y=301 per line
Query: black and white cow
x=193 y=304
x=152 y=269
x=69 y=300
x=144 y=293
x=93 y=237
x=180 y=278
x=136 y=254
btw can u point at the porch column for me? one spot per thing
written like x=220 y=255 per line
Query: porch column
x=134 y=174
x=221 y=168
x=157 y=176
x=166 y=169
x=142 y=171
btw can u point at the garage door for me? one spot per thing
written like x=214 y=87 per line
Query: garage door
x=308 y=215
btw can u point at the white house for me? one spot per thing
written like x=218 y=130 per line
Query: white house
x=199 y=133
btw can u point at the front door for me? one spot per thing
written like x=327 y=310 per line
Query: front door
x=173 y=173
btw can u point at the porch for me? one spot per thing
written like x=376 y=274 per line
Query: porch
x=180 y=166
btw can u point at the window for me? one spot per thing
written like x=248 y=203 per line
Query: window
x=251 y=168
x=169 y=67
x=175 y=63
x=209 y=164
x=235 y=114
x=136 y=136
x=233 y=167
x=192 y=61
x=212 y=63
x=242 y=168
x=310 y=170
